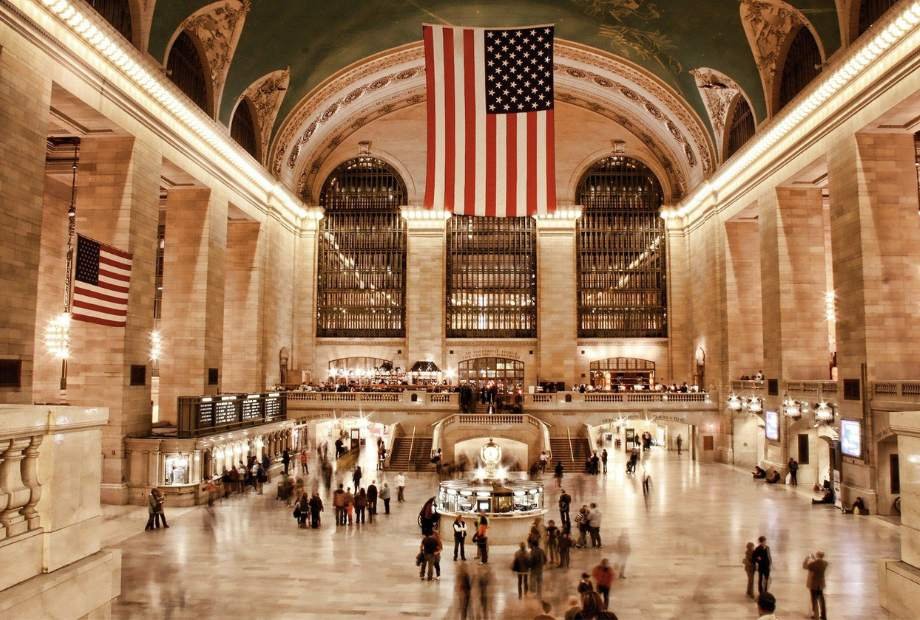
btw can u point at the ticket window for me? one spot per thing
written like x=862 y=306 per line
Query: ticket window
x=177 y=469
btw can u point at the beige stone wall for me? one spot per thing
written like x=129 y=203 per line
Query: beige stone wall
x=425 y=291
x=304 y=298
x=25 y=94
x=242 y=339
x=278 y=283
x=744 y=317
x=557 y=300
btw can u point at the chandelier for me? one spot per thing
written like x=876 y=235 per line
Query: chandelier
x=794 y=409
x=57 y=336
x=753 y=404
x=824 y=412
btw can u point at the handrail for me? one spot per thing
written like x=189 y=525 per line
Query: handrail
x=411 y=444
x=568 y=433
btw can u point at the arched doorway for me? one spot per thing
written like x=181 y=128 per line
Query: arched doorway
x=506 y=373
x=608 y=373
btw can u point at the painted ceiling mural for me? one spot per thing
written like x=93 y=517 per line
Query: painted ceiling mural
x=317 y=38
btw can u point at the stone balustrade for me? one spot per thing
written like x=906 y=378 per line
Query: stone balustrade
x=745 y=385
x=50 y=513
x=899 y=391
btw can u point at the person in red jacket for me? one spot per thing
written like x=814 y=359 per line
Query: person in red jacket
x=603 y=578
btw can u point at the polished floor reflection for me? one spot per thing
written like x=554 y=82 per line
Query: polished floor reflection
x=247 y=558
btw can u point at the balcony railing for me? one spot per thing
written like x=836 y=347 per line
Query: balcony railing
x=900 y=391
x=747 y=386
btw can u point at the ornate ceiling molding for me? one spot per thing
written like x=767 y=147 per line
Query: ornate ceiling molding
x=395 y=79
x=768 y=25
x=217 y=28
x=266 y=95
x=718 y=92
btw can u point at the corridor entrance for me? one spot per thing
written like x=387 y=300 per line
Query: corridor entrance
x=505 y=373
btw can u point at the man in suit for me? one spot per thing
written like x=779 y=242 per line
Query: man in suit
x=565 y=501
x=763 y=561
x=816 y=566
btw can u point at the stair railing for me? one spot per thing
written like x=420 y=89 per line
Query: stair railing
x=568 y=433
x=411 y=445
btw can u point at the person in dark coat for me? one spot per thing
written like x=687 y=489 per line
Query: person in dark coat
x=316 y=507
x=763 y=562
x=372 y=501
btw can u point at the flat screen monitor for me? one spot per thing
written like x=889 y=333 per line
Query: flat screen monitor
x=771 y=419
x=851 y=438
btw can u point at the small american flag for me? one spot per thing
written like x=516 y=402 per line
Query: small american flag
x=490 y=120
x=102 y=281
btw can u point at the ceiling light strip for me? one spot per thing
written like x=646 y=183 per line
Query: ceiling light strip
x=837 y=81
x=128 y=60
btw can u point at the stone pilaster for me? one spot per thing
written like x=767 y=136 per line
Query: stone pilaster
x=875 y=235
x=117 y=204
x=557 y=298
x=278 y=284
x=244 y=272
x=25 y=98
x=193 y=295
x=425 y=288
x=743 y=311
x=305 y=248
x=678 y=305
x=794 y=284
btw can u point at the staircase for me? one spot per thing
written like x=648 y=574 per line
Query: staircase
x=562 y=452
x=420 y=458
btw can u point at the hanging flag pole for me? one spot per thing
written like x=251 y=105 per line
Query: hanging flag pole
x=71 y=237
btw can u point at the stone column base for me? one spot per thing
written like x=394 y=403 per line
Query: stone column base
x=83 y=589
x=899 y=588
x=114 y=493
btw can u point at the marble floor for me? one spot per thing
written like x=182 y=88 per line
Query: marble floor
x=246 y=557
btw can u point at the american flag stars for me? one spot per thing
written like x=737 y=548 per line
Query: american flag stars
x=519 y=65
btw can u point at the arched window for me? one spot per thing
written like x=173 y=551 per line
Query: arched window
x=491 y=277
x=622 y=287
x=870 y=11
x=361 y=285
x=117 y=13
x=243 y=128
x=740 y=126
x=186 y=69
x=803 y=63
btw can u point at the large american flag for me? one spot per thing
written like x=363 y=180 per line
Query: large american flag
x=490 y=120
x=101 y=282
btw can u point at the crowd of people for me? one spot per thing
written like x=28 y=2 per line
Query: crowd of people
x=758 y=564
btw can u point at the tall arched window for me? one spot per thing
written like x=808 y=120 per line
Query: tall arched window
x=740 y=126
x=803 y=63
x=186 y=69
x=243 y=128
x=622 y=286
x=870 y=11
x=117 y=13
x=491 y=277
x=361 y=287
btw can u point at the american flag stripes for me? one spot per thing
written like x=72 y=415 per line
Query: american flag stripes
x=101 y=282
x=490 y=120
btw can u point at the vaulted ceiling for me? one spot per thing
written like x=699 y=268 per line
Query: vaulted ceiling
x=316 y=39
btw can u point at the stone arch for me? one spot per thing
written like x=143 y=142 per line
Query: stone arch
x=587 y=162
x=804 y=34
x=311 y=193
x=187 y=45
x=265 y=96
x=392 y=80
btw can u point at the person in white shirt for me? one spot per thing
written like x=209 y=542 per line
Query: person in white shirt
x=459 y=538
x=400 y=487
x=766 y=605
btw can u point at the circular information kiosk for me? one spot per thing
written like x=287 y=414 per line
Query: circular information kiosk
x=509 y=504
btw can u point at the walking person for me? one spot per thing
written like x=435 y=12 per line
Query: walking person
x=748 y=563
x=552 y=542
x=565 y=502
x=604 y=459
x=559 y=472
x=816 y=566
x=793 y=472
x=152 y=506
x=763 y=562
x=459 y=538
x=680 y=443
x=623 y=550
x=316 y=507
x=520 y=566
x=304 y=469
x=385 y=496
x=372 y=493
x=603 y=578
x=360 y=506
x=302 y=510
x=286 y=459
x=338 y=503
x=481 y=538
x=565 y=546
x=537 y=562
x=594 y=525
x=356 y=477
x=160 y=500
x=400 y=487
x=428 y=548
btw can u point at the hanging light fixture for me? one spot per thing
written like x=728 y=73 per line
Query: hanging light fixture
x=824 y=412
x=57 y=336
x=734 y=402
x=754 y=404
x=792 y=408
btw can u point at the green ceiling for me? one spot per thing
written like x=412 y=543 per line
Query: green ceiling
x=316 y=39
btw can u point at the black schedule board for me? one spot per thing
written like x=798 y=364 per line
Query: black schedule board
x=206 y=413
x=252 y=408
x=273 y=406
x=225 y=412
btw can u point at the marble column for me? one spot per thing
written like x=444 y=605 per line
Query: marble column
x=678 y=305
x=193 y=295
x=242 y=340
x=899 y=581
x=875 y=236
x=557 y=298
x=117 y=204
x=25 y=100
x=425 y=288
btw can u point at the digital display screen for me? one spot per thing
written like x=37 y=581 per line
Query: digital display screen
x=851 y=438
x=771 y=418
